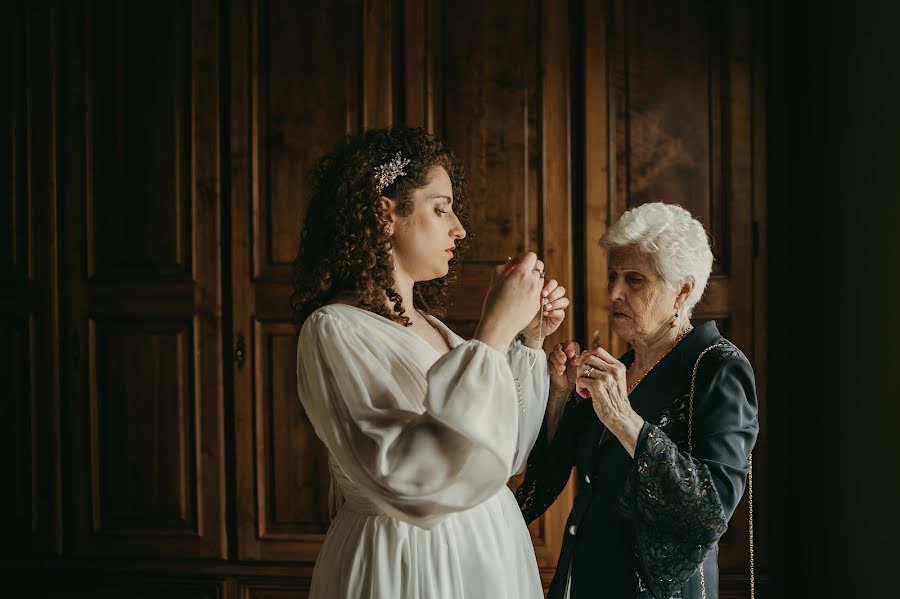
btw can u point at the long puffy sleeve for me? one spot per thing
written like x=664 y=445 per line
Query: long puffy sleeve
x=681 y=503
x=415 y=460
x=532 y=387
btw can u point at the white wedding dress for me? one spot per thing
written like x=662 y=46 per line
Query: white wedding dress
x=421 y=447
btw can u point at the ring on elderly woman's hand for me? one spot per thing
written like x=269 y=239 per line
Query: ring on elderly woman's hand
x=588 y=371
x=542 y=273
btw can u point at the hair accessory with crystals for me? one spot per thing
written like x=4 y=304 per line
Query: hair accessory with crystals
x=388 y=172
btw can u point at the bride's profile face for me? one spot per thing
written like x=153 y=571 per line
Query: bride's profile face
x=424 y=241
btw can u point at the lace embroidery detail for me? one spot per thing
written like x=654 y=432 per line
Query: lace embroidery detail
x=643 y=592
x=676 y=511
x=548 y=468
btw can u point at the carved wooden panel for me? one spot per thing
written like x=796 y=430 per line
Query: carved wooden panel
x=565 y=114
x=671 y=91
x=16 y=326
x=17 y=404
x=143 y=310
x=483 y=88
x=276 y=590
x=29 y=365
x=499 y=97
x=13 y=129
x=305 y=93
x=305 y=97
x=675 y=123
x=142 y=430
x=491 y=119
x=291 y=460
x=682 y=96
x=138 y=142
x=142 y=587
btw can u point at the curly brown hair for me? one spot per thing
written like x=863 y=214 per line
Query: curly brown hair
x=344 y=249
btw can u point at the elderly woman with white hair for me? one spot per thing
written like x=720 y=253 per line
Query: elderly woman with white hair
x=661 y=436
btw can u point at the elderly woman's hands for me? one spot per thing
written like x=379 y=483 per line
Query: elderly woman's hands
x=562 y=366
x=602 y=378
x=563 y=372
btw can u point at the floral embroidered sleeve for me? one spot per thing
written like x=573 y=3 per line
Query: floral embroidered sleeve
x=549 y=464
x=681 y=503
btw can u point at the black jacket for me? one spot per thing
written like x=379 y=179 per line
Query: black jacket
x=640 y=527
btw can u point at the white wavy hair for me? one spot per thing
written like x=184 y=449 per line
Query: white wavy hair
x=675 y=241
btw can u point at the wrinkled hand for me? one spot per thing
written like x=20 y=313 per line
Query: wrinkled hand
x=553 y=306
x=563 y=373
x=562 y=366
x=602 y=378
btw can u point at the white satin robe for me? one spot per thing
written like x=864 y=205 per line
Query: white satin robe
x=421 y=448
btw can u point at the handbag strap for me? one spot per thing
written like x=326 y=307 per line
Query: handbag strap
x=749 y=474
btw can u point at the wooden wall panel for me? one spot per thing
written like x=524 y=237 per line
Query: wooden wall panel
x=306 y=96
x=682 y=103
x=139 y=143
x=491 y=121
x=292 y=462
x=422 y=44
x=295 y=94
x=144 y=302
x=142 y=430
x=29 y=276
x=673 y=93
x=17 y=384
x=501 y=101
x=681 y=95
x=275 y=590
x=143 y=587
x=16 y=327
x=14 y=230
x=565 y=114
x=489 y=115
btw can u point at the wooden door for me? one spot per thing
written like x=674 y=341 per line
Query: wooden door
x=508 y=123
x=491 y=78
x=673 y=114
x=143 y=293
x=29 y=323
x=303 y=76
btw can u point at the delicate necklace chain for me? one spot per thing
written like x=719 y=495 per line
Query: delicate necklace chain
x=677 y=341
x=540 y=336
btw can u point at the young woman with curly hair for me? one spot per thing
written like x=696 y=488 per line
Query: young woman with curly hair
x=423 y=428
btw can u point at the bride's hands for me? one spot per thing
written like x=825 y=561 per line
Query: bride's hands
x=553 y=305
x=511 y=301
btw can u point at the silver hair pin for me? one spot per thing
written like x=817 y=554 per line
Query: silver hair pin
x=388 y=172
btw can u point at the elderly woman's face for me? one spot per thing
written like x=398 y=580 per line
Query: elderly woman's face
x=640 y=304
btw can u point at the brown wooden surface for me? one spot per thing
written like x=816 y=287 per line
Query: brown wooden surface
x=274 y=590
x=144 y=588
x=142 y=262
x=294 y=96
x=29 y=275
x=683 y=122
x=564 y=114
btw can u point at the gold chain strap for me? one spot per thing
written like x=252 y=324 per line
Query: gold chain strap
x=750 y=505
x=749 y=480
